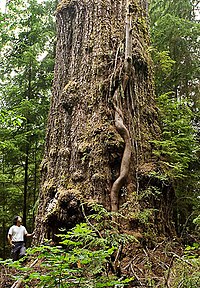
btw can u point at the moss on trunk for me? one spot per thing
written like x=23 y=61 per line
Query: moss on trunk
x=84 y=148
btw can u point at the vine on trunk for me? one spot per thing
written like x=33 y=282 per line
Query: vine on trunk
x=124 y=169
x=119 y=123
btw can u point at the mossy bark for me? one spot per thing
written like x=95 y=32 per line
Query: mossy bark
x=84 y=149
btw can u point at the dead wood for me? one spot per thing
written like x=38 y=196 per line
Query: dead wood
x=18 y=283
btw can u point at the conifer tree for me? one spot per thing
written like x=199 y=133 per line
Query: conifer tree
x=26 y=67
x=175 y=36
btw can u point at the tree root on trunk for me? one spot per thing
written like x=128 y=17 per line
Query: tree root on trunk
x=125 y=163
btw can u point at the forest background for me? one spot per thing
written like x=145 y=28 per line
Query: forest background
x=27 y=45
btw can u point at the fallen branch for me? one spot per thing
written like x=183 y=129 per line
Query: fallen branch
x=89 y=223
x=18 y=283
x=117 y=258
x=138 y=279
x=176 y=256
x=133 y=264
x=169 y=272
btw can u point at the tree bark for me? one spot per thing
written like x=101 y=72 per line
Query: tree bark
x=96 y=148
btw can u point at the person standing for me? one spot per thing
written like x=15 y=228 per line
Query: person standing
x=16 y=238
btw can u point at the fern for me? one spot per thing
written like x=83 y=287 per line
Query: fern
x=83 y=258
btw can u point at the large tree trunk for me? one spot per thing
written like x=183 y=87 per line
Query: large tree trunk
x=103 y=115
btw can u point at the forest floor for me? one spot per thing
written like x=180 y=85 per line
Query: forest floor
x=158 y=264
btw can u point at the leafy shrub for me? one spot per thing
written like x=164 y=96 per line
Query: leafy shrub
x=85 y=257
x=186 y=270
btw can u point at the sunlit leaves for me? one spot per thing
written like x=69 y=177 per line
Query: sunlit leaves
x=10 y=119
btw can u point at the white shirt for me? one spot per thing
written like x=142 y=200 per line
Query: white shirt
x=17 y=233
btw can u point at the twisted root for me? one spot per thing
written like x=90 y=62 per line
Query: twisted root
x=125 y=163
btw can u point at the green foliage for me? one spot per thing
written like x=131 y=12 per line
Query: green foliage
x=145 y=215
x=10 y=119
x=163 y=65
x=27 y=40
x=178 y=146
x=197 y=220
x=175 y=51
x=150 y=192
x=177 y=152
x=175 y=31
x=85 y=257
x=187 y=276
x=191 y=252
x=186 y=271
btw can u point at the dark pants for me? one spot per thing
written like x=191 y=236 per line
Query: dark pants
x=18 y=250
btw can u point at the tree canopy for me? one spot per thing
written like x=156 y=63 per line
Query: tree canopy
x=27 y=42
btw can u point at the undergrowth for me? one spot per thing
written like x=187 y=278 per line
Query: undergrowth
x=91 y=255
x=87 y=256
